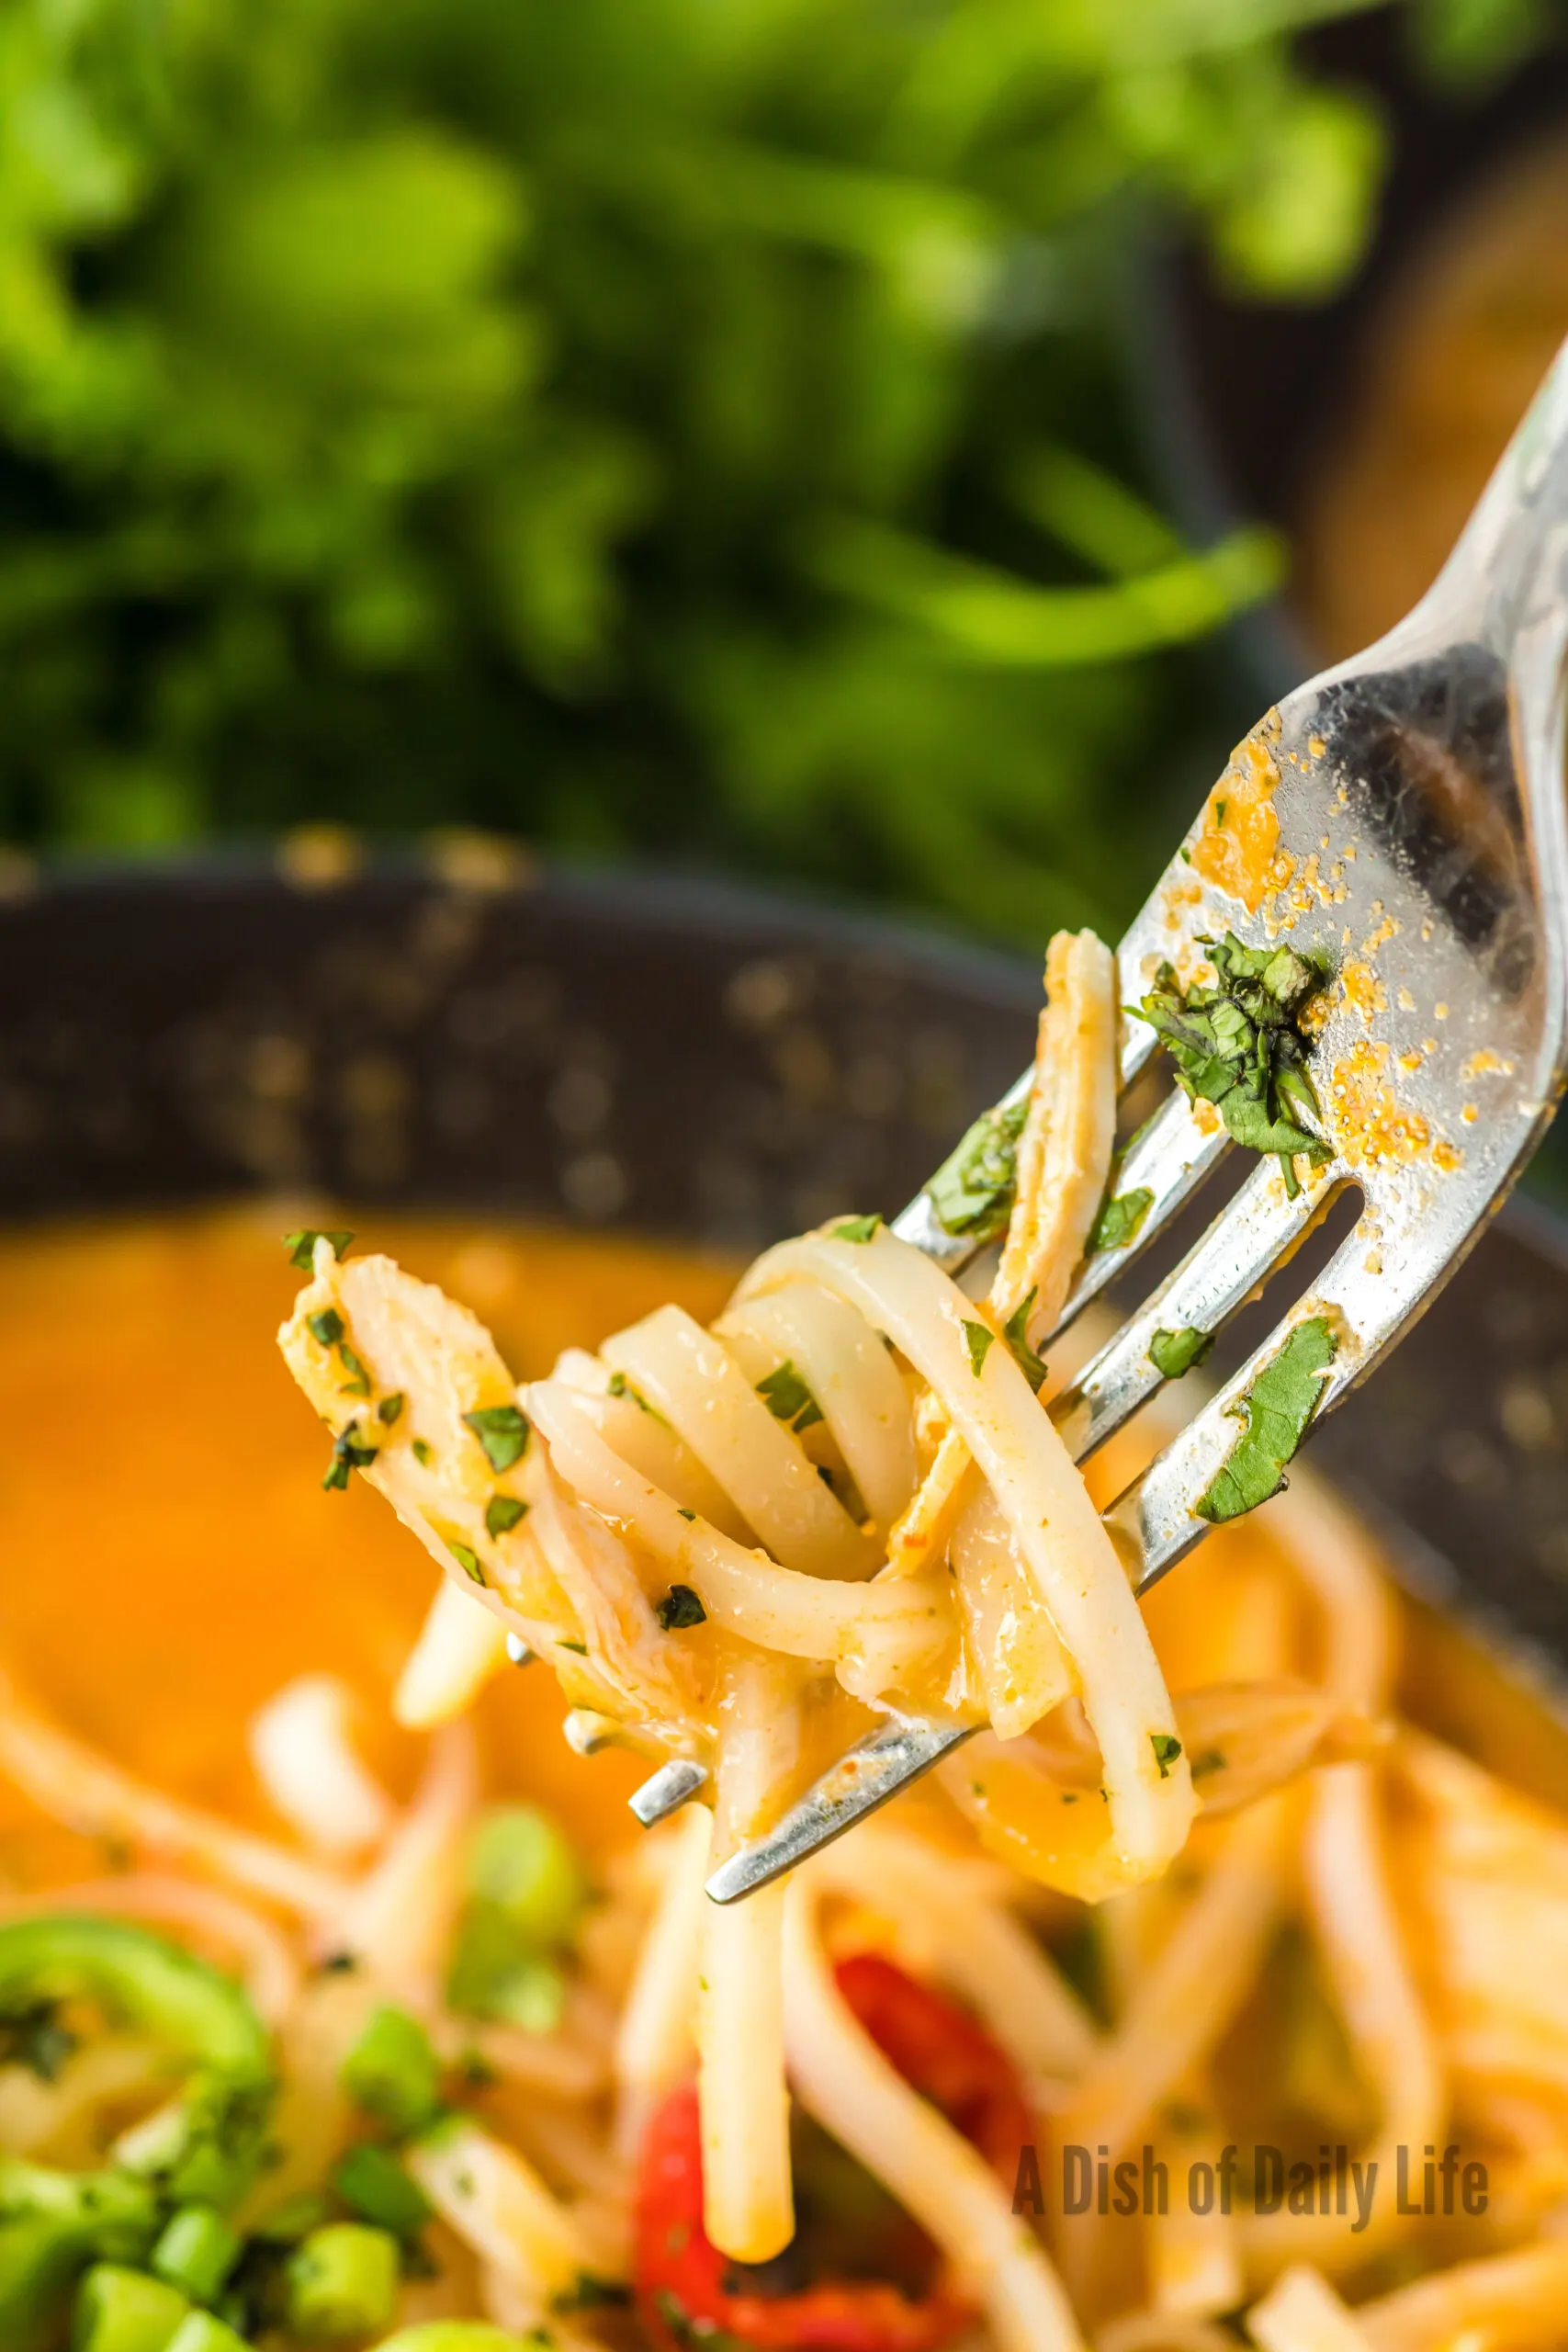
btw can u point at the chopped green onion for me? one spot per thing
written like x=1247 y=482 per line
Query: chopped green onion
x=195 y=2253
x=680 y=1608
x=375 y=2188
x=301 y=1245
x=461 y=2336
x=502 y=1432
x=327 y=1326
x=391 y=2074
x=521 y=1860
x=199 y=2332
x=294 y=2218
x=495 y=1973
x=124 y=2311
x=342 y=2282
x=502 y=1514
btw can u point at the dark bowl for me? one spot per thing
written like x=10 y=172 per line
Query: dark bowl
x=684 y=1062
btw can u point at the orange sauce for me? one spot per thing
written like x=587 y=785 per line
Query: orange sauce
x=169 y=1556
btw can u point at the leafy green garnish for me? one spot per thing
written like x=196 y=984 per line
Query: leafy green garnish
x=588 y=2294
x=1120 y=1220
x=1015 y=1332
x=502 y=1430
x=391 y=1408
x=788 y=1398
x=855 y=1229
x=1207 y=1760
x=685 y=1514
x=348 y=1453
x=680 y=1607
x=392 y=2073
x=502 y=1514
x=1166 y=1749
x=359 y=1385
x=373 y=2185
x=423 y=1453
x=301 y=1245
x=326 y=1325
x=1174 y=1352
x=973 y=1191
x=467 y=1559
x=977 y=1339
x=1277 y=1409
x=579 y=1649
x=1237 y=1044
x=621 y=1386
x=33 y=2037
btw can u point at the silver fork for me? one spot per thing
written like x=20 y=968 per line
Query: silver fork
x=1422 y=848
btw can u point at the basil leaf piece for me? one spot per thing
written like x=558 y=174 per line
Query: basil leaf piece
x=1015 y=1332
x=1277 y=1409
x=1120 y=1220
x=1174 y=1352
x=977 y=1339
x=503 y=1432
x=680 y=1607
x=973 y=1191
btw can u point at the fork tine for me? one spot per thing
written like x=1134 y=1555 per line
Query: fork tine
x=1169 y=1158
x=1237 y=1252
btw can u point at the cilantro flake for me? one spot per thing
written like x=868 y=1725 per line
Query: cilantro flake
x=974 y=1189
x=579 y=1649
x=685 y=1514
x=423 y=1453
x=359 y=1384
x=977 y=1339
x=787 y=1398
x=680 y=1607
x=1174 y=1352
x=502 y=1430
x=1166 y=1749
x=348 y=1453
x=33 y=2037
x=1276 y=1409
x=467 y=1559
x=855 y=1229
x=327 y=1326
x=1207 y=1760
x=1120 y=1220
x=1238 y=1046
x=502 y=1514
x=301 y=1245
x=1015 y=1332
x=391 y=1408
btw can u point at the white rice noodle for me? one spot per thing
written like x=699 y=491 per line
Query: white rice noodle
x=560 y=2065
x=1302 y=2312
x=461 y=1647
x=398 y=1919
x=653 y=2036
x=1023 y=1670
x=497 y=2204
x=213 y=1921
x=742 y=1591
x=844 y=2081
x=1192 y=2260
x=748 y=2195
x=1158 y=2330
x=630 y=1669
x=851 y=1376
x=1072 y=1563
x=305 y=1760
x=73 y=1784
x=1516 y=2300
x=689 y=1375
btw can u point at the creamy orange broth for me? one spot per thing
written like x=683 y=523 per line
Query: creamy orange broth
x=167 y=1558
x=170 y=1558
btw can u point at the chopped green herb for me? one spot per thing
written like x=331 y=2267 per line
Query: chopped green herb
x=621 y=1386
x=977 y=1339
x=374 y=2185
x=359 y=1385
x=1166 y=1749
x=788 y=1398
x=521 y=1859
x=1209 y=1760
x=421 y=1452
x=502 y=1432
x=1276 y=1409
x=348 y=1453
x=467 y=1559
x=1015 y=1332
x=580 y=1649
x=502 y=1514
x=973 y=1191
x=1220 y=808
x=1120 y=1220
x=196 y=2252
x=342 y=2282
x=588 y=2293
x=301 y=1245
x=391 y=2074
x=680 y=1608
x=855 y=1229
x=295 y=2218
x=1174 y=1352
x=391 y=1408
x=685 y=1514
x=327 y=1325
x=33 y=2037
x=1238 y=1046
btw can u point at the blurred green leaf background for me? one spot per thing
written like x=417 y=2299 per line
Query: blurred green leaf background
x=687 y=427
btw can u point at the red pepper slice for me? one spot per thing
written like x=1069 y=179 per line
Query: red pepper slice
x=682 y=2297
